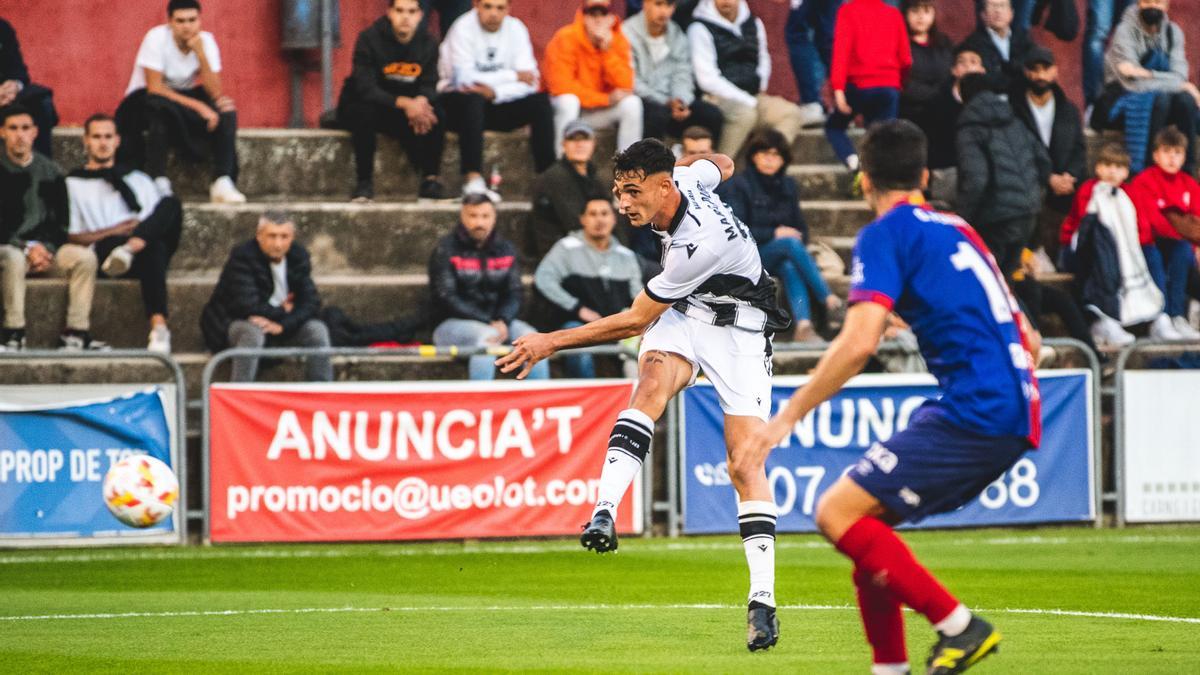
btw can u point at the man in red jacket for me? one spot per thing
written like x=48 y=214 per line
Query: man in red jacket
x=871 y=58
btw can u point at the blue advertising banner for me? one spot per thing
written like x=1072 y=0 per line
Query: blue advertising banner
x=53 y=459
x=1051 y=484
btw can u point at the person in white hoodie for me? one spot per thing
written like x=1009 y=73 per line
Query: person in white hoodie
x=732 y=66
x=488 y=79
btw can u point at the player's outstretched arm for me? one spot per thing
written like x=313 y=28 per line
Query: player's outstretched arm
x=530 y=349
x=722 y=162
x=846 y=356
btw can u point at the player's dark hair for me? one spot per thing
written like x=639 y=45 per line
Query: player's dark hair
x=769 y=139
x=646 y=157
x=1113 y=154
x=96 y=117
x=176 y=5
x=973 y=85
x=14 y=110
x=893 y=155
x=1170 y=137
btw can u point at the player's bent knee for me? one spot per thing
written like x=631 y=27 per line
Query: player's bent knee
x=743 y=471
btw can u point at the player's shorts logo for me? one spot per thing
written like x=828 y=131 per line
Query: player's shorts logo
x=883 y=458
x=911 y=498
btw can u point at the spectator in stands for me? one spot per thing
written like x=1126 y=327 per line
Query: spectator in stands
x=1039 y=300
x=943 y=153
x=560 y=192
x=589 y=72
x=662 y=67
x=475 y=286
x=33 y=235
x=266 y=297
x=1022 y=11
x=15 y=87
x=767 y=200
x=1001 y=46
x=392 y=89
x=871 y=58
x=175 y=97
x=732 y=66
x=1171 y=202
x=1146 y=82
x=696 y=141
x=120 y=214
x=997 y=192
x=588 y=275
x=488 y=77
x=682 y=16
x=922 y=99
x=1102 y=16
x=1044 y=107
x=1104 y=239
x=448 y=12
x=809 y=37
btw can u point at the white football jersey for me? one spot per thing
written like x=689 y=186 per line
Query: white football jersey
x=711 y=269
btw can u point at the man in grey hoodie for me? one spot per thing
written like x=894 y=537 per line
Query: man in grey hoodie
x=662 y=73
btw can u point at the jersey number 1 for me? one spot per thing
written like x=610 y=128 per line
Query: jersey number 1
x=968 y=258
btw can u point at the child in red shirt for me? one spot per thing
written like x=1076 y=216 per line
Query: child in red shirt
x=871 y=58
x=1166 y=193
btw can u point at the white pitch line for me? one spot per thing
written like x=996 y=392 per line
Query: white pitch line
x=400 y=551
x=548 y=608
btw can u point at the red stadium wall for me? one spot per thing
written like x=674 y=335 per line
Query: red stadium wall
x=84 y=49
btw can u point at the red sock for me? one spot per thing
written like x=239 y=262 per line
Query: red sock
x=876 y=550
x=882 y=619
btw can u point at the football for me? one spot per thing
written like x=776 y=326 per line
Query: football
x=140 y=490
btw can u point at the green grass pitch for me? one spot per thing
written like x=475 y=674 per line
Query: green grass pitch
x=1130 y=601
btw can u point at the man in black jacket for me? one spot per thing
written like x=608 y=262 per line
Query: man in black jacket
x=475 y=287
x=1001 y=170
x=15 y=87
x=1043 y=106
x=1001 y=45
x=266 y=296
x=560 y=192
x=391 y=90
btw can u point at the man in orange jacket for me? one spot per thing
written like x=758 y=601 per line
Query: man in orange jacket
x=588 y=69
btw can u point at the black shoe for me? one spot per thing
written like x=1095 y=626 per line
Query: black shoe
x=364 y=192
x=431 y=188
x=956 y=654
x=12 y=339
x=762 y=627
x=80 y=340
x=599 y=535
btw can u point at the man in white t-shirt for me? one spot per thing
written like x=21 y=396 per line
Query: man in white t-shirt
x=712 y=307
x=121 y=214
x=175 y=97
x=488 y=79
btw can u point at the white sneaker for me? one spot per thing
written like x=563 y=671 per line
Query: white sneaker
x=812 y=115
x=117 y=262
x=1164 y=329
x=476 y=186
x=1185 y=329
x=160 y=340
x=223 y=191
x=1108 y=332
x=164 y=186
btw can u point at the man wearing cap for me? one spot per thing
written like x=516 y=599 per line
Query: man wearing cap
x=589 y=73
x=560 y=192
x=1042 y=105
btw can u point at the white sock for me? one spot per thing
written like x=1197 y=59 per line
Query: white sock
x=889 y=669
x=627 y=448
x=756 y=520
x=956 y=623
x=852 y=162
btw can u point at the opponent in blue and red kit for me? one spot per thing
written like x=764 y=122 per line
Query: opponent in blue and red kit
x=934 y=271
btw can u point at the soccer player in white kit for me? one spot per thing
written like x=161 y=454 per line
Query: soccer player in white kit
x=713 y=308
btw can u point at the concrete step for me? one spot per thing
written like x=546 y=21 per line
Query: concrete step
x=398 y=237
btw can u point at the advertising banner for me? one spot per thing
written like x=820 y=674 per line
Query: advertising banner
x=55 y=449
x=383 y=461
x=1052 y=484
x=1161 y=469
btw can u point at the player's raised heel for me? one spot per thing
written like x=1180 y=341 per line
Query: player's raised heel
x=600 y=534
x=762 y=627
x=956 y=654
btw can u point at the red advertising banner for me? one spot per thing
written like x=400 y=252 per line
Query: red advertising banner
x=382 y=461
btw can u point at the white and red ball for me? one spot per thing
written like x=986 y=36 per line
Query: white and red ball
x=140 y=490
